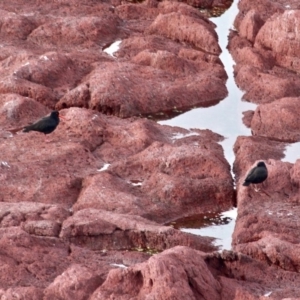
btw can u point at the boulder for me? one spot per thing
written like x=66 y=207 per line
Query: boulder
x=281 y=35
x=278 y=121
x=177 y=273
x=151 y=90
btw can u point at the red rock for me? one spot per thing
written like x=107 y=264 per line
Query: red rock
x=262 y=60
x=169 y=62
x=42 y=228
x=279 y=120
x=264 y=87
x=44 y=77
x=84 y=127
x=249 y=149
x=249 y=278
x=281 y=35
x=77 y=282
x=200 y=57
x=102 y=230
x=200 y=3
x=166 y=7
x=228 y=275
x=29 y=292
x=248 y=115
x=195 y=31
x=160 y=171
x=65 y=47
x=136 y=11
x=28 y=260
x=77 y=31
x=159 y=63
x=257 y=70
x=58 y=180
x=250 y=25
x=25 y=88
x=133 y=45
x=48 y=267
x=14 y=214
x=265 y=228
x=18 y=111
x=158 y=279
x=15 y=26
x=264 y=9
x=147 y=94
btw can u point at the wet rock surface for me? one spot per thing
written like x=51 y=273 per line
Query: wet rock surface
x=83 y=210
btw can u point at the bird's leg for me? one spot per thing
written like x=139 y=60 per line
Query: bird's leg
x=256 y=189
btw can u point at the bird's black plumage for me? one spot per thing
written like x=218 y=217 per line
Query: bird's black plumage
x=46 y=124
x=257 y=175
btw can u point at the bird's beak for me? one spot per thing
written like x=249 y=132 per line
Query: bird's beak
x=62 y=118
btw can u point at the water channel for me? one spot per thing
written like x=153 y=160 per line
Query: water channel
x=224 y=118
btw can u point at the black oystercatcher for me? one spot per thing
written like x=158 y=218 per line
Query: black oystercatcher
x=45 y=125
x=256 y=175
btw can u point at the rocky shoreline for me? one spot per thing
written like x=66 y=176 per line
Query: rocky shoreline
x=84 y=215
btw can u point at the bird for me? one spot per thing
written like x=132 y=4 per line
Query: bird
x=44 y=125
x=256 y=175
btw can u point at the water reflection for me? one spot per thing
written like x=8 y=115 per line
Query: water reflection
x=219 y=226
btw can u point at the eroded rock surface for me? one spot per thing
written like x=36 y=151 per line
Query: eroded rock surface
x=266 y=62
x=265 y=49
x=82 y=215
x=52 y=205
x=58 y=59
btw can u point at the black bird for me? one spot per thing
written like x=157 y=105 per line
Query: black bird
x=256 y=175
x=45 y=125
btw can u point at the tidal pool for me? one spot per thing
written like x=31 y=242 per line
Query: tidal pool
x=217 y=225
